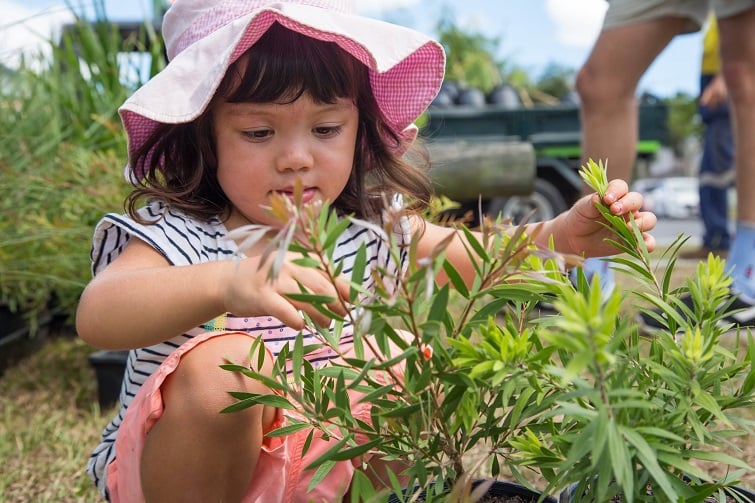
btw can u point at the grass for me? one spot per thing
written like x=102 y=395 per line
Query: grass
x=50 y=421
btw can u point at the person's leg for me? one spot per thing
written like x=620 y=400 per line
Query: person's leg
x=607 y=84
x=716 y=176
x=738 y=62
x=193 y=452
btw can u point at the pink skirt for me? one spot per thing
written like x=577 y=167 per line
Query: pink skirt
x=279 y=475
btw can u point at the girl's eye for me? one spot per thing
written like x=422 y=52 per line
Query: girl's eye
x=327 y=131
x=258 y=134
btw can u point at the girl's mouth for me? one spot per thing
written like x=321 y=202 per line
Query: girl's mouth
x=308 y=195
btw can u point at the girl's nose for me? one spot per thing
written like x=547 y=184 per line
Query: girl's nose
x=295 y=155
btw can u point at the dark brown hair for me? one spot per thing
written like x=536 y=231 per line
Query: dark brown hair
x=280 y=67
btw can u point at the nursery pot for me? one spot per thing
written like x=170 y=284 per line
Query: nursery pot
x=568 y=495
x=746 y=494
x=109 y=367
x=16 y=337
x=500 y=491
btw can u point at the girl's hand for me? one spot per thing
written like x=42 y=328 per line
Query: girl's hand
x=583 y=224
x=250 y=292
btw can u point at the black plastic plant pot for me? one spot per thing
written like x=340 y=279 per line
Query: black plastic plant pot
x=746 y=494
x=568 y=494
x=109 y=367
x=17 y=340
x=743 y=494
x=500 y=489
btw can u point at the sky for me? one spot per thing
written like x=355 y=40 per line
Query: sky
x=532 y=33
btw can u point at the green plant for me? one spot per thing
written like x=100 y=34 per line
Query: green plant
x=463 y=368
x=439 y=407
x=644 y=413
x=46 y=220
x=60 y=156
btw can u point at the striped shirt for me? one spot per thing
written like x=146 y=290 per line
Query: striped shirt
x=184 y=240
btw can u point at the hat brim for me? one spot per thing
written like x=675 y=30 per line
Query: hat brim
x=406 y=68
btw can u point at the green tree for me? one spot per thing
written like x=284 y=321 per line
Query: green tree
x=556 y=81
x=470 y=56
x=683 y=121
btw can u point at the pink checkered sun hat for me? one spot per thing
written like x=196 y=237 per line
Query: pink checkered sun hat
x=204 y=37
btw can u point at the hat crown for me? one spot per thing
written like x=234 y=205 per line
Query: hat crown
x=187 y=21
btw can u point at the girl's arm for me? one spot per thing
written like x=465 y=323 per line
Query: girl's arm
x=576 y=231
x=140 y=300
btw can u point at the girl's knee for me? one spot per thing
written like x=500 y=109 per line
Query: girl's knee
x=740 y=82
x=200 y=383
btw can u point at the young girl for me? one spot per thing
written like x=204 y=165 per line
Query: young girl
x=257 y=97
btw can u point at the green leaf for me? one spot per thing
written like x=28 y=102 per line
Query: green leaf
x=338 y=452
x=707 y=402
x=310 y=262
x=595 y=176
x=439 y=306
x=718 y=457
x=677 y=461
x=334 y=232
x=659 y=433
x=288 y=429
x=322 y=471
x=455 y=279
x=297 y=359
x=619 y=457
x=311 y=298
x=401 y=412
x=600 y=435
x=357 y=273
x=519 y=406
x=247 y=400
x=648 y=458
x=361 y=488
x=472 y=241
x=378 y=393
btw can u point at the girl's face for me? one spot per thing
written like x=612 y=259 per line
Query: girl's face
x=263 y=148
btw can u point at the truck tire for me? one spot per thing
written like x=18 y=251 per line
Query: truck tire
x=545 y=202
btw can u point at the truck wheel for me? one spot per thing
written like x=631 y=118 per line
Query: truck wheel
x=545 y=202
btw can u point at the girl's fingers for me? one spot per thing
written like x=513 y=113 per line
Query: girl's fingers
x=615 y=191
x=317 y=283
x=629 y=203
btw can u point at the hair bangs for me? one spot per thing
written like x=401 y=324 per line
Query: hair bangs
x=283 y=65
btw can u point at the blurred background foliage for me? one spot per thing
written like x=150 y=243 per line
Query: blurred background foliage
x=683 y=121
x=61 y=150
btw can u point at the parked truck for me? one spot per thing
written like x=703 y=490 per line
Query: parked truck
x=519 y=159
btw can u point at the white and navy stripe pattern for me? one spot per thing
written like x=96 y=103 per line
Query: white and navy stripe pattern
x=183 y=240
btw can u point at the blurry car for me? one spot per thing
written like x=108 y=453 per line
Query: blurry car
x=673 y=197
x=646 y=186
